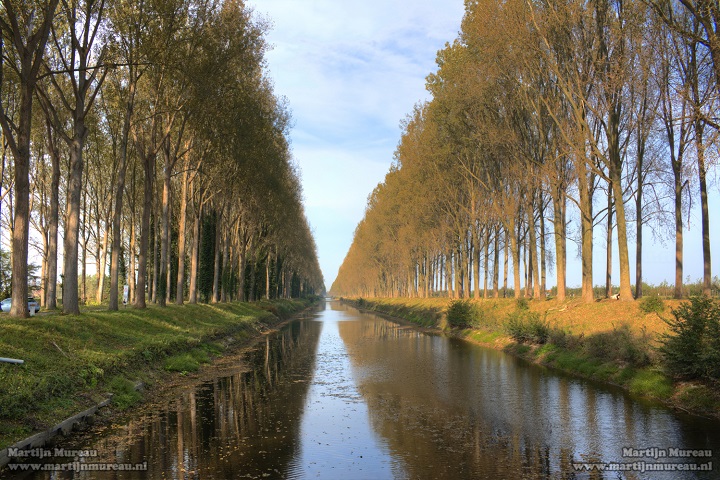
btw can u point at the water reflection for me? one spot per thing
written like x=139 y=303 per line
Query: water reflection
x=243 y=425
x=344 y=395
x=453 y=410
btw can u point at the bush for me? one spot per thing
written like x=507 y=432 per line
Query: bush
x=652 y=304
x=527 y=327
x=522 y=304
x=618 y=345
x=692 y=349
x=461 y=314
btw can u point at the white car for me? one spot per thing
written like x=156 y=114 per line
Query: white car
x=32 y=305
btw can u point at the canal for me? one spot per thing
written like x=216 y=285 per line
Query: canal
x=340 y=394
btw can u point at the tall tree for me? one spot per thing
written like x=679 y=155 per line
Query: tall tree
x=27 y=36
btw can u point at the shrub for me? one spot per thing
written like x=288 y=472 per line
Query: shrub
x=618 y=345
x=522 y=304
x=461 y=314
x=527 y=327
x=692 y=348
x=652 y=304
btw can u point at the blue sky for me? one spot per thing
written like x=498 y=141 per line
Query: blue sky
x=351 y=72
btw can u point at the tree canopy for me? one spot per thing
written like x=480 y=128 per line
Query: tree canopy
x=142 y=136
x=548 y=124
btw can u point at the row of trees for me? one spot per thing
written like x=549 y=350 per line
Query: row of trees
x=597 y=113
x=153 y=126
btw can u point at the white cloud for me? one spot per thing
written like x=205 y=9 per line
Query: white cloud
x=351 y=72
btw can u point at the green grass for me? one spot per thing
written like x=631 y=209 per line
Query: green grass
x=124 y=392
x=651 y=383
x=71 y=360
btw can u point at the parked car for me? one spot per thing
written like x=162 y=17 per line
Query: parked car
x=32 y=305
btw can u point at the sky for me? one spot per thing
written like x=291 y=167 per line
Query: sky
x=351 y=72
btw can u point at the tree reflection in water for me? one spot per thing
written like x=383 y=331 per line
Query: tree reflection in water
x=353 y=393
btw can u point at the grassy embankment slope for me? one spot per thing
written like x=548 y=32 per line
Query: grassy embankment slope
x=73 y=361
x=608 y=341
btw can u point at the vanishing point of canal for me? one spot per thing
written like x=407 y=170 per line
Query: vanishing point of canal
x=339 y=394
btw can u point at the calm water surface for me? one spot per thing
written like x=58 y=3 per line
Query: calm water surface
x=345 y=395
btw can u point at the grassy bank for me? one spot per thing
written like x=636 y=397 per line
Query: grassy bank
x=608 y=341
x=73 y=361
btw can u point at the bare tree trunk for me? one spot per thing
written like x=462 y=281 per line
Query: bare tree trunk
x=449 y=275
x=560 y=235
x=119 y=195
x=131 y=262
x=252 y=289
x=678 y=292
x=506 y=262
x=53 y=220
x=496 y=263
x=532 y=245
x=704 y=209
x=608 y=245
x=543 y=254
x=586 y=225
x=267 y=276
x=241 y=269
x=626 y=293
x=646 y=122
x=30 y=48
x=72 y=223
x=83 y=257
x=156 y=256
x=225 y=266
x=458 y=268
x=486 y=261
x=148 y=191
x=194 y=258
x=165 y=226
x=515 y=251
x=475 y=235
x=102 y=267
x=216 y=271
x=699 y=127
x=180 y=285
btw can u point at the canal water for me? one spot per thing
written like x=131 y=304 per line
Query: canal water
x=345 y=395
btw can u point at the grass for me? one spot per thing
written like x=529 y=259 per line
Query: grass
x=71 y=361
x=608 y=341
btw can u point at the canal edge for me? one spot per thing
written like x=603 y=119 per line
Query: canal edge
x=68 y=426
x=506 y=345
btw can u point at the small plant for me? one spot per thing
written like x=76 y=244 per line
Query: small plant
x=652 y=304
x=692 y=349
x=124 y=393
x=527 y=327
x=461 y=314
x=522 y=304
